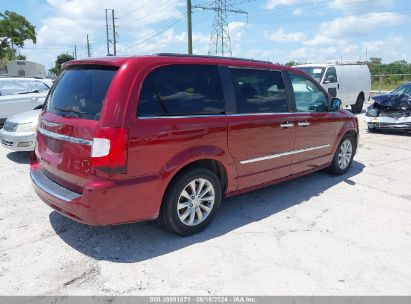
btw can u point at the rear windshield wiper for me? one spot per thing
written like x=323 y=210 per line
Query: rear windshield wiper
x=69 y=110
x=28 y=92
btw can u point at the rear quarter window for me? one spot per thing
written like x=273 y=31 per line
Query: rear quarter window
x=80 y=92
x=181 y=90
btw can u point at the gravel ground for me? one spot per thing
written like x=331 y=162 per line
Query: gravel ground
x=316 y=235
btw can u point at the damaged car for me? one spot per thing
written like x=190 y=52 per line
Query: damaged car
x=391 y=111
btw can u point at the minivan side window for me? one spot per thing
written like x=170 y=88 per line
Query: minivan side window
x=259 y=91
x=330 y=75
x=308 y=96
x=181 y=90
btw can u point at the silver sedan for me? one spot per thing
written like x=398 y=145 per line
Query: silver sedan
x=19 y=131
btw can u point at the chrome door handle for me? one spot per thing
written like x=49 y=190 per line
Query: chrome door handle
x=303 y=123
x=287 y=125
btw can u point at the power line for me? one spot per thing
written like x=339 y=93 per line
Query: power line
x=161 y=28
x=134 y=10
x=314 y=5
x=147 y=15
x=303 y=20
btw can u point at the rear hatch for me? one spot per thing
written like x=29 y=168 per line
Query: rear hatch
x=68 y=124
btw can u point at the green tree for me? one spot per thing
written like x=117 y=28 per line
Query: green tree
x=375 y=60
x=291 y=63
x=62 y=58
x=21 y=57
x=14 y=31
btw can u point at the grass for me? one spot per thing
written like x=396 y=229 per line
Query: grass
x=387 y=86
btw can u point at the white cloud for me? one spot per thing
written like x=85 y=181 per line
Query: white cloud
x=338 y=31
x=350 y=6
x=70 y=21
x=347 y=26
x=307 y=54
x=272 y=4
x=320 y=40
x=237 y=30
x=391 y=47
x=298 y=11
x=281 y=36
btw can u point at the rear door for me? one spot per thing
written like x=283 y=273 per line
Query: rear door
x=330 y=81
x=68 y=123
x=261 y=129
x=345 y=79
x=316 y=127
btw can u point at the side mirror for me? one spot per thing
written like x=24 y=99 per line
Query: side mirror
x=335 y=104
x=330 y=79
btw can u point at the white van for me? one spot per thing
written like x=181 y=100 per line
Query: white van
x=350 y=82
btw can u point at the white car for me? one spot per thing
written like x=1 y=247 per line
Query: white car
x=350 y=82
x=19 y=95
x=19 y=131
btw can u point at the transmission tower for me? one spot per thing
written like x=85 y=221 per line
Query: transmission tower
x=220 y=43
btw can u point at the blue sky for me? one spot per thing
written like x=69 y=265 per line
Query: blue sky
x=277 y=30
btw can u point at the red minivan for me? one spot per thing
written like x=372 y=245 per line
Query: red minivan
x=126 y=139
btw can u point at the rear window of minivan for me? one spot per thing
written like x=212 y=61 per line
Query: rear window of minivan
x=80 y=92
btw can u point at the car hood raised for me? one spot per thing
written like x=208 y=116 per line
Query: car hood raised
x=25 y=117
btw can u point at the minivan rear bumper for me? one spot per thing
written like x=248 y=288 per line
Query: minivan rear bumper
x=101 y=202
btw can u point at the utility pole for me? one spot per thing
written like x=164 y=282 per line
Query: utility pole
x=114 y=33
x=88 y=47
x=189 y=29
x=107 y=39
x=220 y=43
x=75 y=51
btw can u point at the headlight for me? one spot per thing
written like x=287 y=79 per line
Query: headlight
x=26 y=127
x=372 y=112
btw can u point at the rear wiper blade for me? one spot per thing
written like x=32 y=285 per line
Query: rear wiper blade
x=28 y=92
x=69 y=110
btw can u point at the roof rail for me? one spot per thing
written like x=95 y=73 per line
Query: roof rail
x=209 y=56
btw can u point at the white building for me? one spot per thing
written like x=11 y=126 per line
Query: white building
x=25 y=68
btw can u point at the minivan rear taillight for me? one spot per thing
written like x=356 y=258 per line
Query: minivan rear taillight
x=109 y=150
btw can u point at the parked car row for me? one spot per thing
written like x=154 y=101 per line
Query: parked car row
x=391 y=111
x=17 y=97
x=170 y=136
x=126 y=139
x=350 y=82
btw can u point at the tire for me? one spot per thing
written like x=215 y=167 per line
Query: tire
x=341 y=163
x=182 y=214
x=372 y=129
x=357 y=107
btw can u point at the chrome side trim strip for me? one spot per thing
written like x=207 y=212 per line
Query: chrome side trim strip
x=182 y=116
x=50 y=124
x=47 y=185
x=214 y=115
x=252 y=160
x=65 y=137
x=260 y=114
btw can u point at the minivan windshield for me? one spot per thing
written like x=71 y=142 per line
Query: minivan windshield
x=315 y=72
x=80 y=92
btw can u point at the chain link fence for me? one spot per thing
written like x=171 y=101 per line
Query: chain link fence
x=387 y=82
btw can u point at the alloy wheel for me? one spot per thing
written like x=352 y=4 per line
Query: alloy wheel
x=196 y=202
x=345 y=154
